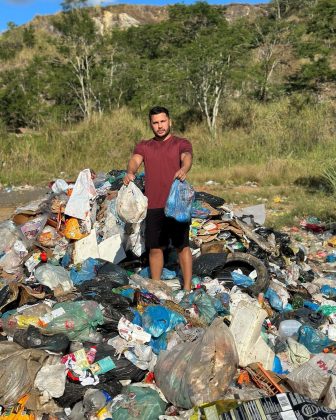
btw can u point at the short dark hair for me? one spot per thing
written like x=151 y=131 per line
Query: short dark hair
x=158 y=110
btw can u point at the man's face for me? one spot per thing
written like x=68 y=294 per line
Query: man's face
x=160 y=124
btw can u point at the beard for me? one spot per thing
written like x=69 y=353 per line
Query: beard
x=162 y=136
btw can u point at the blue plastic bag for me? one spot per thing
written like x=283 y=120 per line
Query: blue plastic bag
x=275 y=301
x=241 y=280
x=208 y=307
x=166 y=274
x=87 y=272
x=314 y=340
x=328 y=291
x=180 y=201
x=311 y=305
x=157 y=320
x=159 y=343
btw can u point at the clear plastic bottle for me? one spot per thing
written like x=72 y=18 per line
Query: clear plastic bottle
x=289 y=327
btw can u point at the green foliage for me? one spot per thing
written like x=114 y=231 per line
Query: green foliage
x=19 y=100
x=28 y=37
x=323 y=20
x=311 y=75
x=194 y=62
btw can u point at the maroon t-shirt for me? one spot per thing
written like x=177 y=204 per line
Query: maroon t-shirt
x=162 y=159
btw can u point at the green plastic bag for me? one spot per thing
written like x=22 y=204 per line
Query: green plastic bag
x=143 y=404
x=327 y=310
x=76 y=319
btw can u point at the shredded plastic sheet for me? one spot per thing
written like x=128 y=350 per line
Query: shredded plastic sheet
x=79 y=203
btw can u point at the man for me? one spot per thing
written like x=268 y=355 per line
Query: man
x=166 y=157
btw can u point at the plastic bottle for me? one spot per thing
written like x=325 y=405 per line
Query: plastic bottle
x=289 y=327
x=91 y=354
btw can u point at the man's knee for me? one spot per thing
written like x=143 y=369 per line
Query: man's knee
x=183 y=250
x=155 y=252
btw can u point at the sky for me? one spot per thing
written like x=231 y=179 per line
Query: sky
x=22 y=11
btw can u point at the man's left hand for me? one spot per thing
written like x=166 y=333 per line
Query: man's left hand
x=181 y=175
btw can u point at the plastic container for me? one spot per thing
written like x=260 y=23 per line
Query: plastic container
x=246 y=328
x=289 y=327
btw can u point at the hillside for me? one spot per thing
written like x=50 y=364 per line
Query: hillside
x=67 y=67
x=124 y=16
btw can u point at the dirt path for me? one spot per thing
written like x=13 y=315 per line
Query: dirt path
x=9 y=201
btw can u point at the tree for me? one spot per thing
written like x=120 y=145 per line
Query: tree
x=271 y=45
x=283 y=8
x=209 y=66
x=28 y=37
x=87 y=59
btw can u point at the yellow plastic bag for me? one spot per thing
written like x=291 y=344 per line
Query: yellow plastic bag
x=18 y=411
x=72 y=229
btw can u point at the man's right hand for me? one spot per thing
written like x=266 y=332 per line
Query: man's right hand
x=128 y=178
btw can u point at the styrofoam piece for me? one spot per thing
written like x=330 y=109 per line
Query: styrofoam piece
x=111 y=249
x=86 y=248
x=246 y=328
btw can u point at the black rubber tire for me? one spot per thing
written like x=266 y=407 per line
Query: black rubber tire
x=247 y=263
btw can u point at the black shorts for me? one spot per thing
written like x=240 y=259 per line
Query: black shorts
x=160 y=230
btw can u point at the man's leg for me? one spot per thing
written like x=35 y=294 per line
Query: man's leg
x=156 y=240
x=185 y=260
x=156 y=263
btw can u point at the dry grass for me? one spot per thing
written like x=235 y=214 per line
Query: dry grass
x=283 y=149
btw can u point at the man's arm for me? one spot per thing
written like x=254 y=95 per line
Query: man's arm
x=186 y=163
x=132 y=167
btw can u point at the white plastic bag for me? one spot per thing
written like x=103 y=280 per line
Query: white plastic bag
x=79 y=203
x=53 y=276
x=316 y=379
x=134 y=238
x=59 y=186
x=131 y=204
x=8 y=235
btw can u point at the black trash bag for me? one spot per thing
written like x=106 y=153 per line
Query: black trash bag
x=113 y=273
x=74 y=391
x=213 y=200
x=124 y=368
x=33 y=338
x=101 y=291
x=207 y=264
x=140 y=183
x=118 y=174
x=139 y=180
x=113 y=313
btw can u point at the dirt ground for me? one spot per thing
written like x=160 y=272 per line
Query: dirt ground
x=9 y=201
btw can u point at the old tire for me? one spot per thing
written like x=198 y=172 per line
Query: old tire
x=247 y=263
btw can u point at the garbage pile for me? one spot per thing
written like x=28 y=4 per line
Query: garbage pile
x=85 y=333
